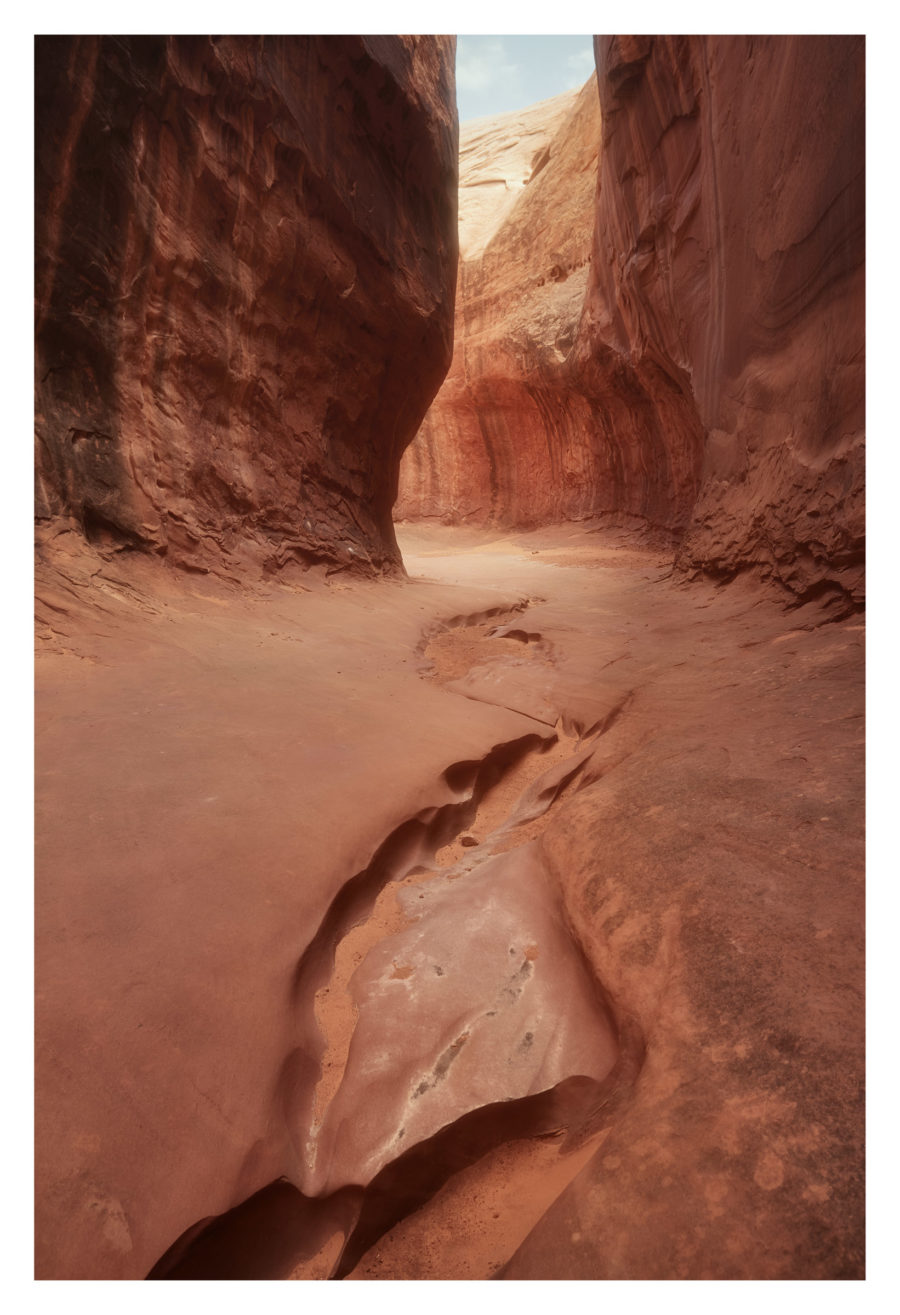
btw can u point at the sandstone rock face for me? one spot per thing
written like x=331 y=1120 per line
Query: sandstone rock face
x=504 y=920
x=499 y=157
x=704 y=371
x=729 y=251
x=244 y=304
x=523 y=430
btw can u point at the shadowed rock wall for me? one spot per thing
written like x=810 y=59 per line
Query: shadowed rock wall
x=244 y=303
x=730 y=247
x=705 y=371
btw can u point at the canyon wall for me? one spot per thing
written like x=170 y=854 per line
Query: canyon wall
x=531 y=426
x=730 y=247
x=244 y=304
x=710 y=379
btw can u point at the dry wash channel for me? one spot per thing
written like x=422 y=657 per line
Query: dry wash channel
x=443 y=1013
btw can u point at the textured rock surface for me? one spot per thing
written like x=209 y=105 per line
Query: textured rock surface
x=212 y=770
x=498 y=158
x=244 y=304
x=265 y=811
x=729 y=251
x=225 y=784
x=514 y=436
x=708 y=375
x=710 y=859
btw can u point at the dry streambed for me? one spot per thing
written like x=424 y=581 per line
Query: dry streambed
x=446 y=1022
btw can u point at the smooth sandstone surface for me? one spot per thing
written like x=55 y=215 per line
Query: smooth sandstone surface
x=618 y=805
x=682 y=340
x=499 y=156
x=479 y=996
x=212 y=770
x=246 y=259
x=215 y=772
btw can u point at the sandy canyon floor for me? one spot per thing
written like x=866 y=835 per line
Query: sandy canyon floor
x=512 y=912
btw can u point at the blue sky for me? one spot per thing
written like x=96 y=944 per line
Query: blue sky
x=495 y=74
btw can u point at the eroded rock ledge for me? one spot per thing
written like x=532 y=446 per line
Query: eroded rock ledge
x=244 y=304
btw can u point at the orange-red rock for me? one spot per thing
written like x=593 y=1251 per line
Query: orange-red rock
x=214 y=768
x=476 y=998
x=513 y=438
x=516 y=904
x=729 y=254
x=707 y=376
x=710 y=861
x=246 y=256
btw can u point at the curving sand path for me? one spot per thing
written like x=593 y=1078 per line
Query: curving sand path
x=502 y=922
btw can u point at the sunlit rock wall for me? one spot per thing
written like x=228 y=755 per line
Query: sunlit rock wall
x=533 y=424
x=680 y=336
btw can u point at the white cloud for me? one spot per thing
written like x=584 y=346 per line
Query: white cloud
x=481 y=67
x=581 y=64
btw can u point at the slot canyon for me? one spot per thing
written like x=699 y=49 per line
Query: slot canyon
x=449 y=683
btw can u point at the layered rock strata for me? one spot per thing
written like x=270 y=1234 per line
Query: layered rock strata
x=519 y=434
x=730 y=253
x=684 y=343
x=244 y=304
x=261 y=832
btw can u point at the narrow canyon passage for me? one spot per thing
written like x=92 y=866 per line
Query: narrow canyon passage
x=449 y=685
x=542 y=744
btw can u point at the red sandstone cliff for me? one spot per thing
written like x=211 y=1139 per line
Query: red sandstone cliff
x=537 y=422
x=244 y=304
x=710 y=380
x=730 y=249
x=511 y=439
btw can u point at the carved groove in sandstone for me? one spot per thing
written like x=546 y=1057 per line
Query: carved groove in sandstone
x=552 y=1043
x=236 y=337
